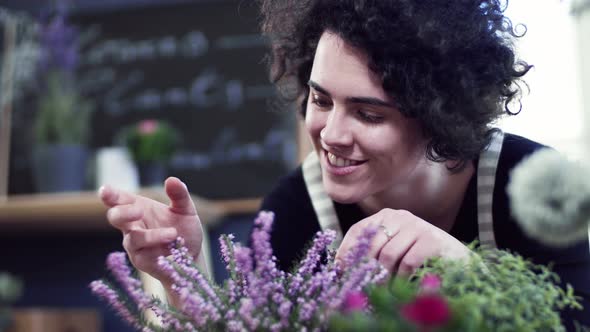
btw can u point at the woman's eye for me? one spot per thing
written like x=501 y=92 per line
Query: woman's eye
x=370 y=117
x=320 y=102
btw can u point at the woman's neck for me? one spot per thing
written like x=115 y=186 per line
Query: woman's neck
x=433 y=193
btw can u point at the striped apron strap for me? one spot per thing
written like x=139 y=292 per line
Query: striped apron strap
x=321 y=202
x=486 y=179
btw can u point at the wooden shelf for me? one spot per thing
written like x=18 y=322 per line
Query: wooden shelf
x=55 y=320
x=84 y=210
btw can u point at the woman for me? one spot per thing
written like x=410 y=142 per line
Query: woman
x=398 y=98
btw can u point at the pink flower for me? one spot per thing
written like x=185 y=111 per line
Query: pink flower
x=147 y=127
x=428 y=310
x=430 y=283
x=355 y=301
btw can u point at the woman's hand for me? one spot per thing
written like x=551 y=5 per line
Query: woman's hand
x=149 y=226
x=403 y=241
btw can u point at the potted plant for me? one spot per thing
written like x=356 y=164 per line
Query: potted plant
x=61 y=125
x=151 y=144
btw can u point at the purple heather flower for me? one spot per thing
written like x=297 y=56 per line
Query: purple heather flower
x=243 y=259
x=360 y=272
x=224 y=243
x=430 y=283
x=166 y=266
x=427 y=311
x=167 y=319
x=230 y=314
x=266 y=278
x=233 y=292
x=259 y=296
x=246 y=312
x=285 y=312
x=296 y=283
x=227 y=253
x=327 y=278
x=361 y=249
x=312 y=259
x=307 y=307
x=261 y=241
x=313 y=285
x=117 y=264
x=380 y=276
x=186 y=264
x=196 y=307
x=354 y=280
x=119 y=267
x=276 y=327
x=235 y=326
x=355 y=301
x=107 y=293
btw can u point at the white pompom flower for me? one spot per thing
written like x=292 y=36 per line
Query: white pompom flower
x=550 y=198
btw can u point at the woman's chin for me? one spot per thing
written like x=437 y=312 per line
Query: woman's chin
x=341 y=195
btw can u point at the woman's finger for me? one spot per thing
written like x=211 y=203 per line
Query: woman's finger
x=412 y=260
x=125 y=217
x=112 y=197
x=352 y=236
x=384 y=234
x=139 y=239
x=348 y=242
x=180 y=198
x=395 y=249
x=146 y=260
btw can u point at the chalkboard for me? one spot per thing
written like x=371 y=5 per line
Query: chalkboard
x=200 y=66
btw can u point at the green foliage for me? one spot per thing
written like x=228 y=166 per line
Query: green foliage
x=150 y=141
x=504 y=291
x=63 y=116
x=386 y=301
x=495 y=290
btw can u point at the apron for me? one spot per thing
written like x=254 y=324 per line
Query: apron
x=486 y=178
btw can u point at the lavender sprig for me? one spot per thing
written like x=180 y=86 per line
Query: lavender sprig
x=117 y=264
x=107 y=292
x=59 y=44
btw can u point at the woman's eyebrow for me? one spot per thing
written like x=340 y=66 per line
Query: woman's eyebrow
x=369 y=101
x=317 y=87
x=353 y=100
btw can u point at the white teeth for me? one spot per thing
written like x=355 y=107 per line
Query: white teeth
x=340 y=162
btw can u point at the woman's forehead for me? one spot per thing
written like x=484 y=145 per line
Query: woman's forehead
x=343 y=70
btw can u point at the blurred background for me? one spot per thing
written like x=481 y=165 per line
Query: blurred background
x=556 y=110
x=129 y=92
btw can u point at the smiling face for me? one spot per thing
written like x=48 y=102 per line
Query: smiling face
x=367 y=148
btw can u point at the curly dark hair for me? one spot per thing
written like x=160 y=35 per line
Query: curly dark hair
x=449 y=64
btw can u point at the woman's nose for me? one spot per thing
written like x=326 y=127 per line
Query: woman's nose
x=336 y=132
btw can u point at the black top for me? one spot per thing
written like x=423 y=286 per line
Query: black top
x=296 y=223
